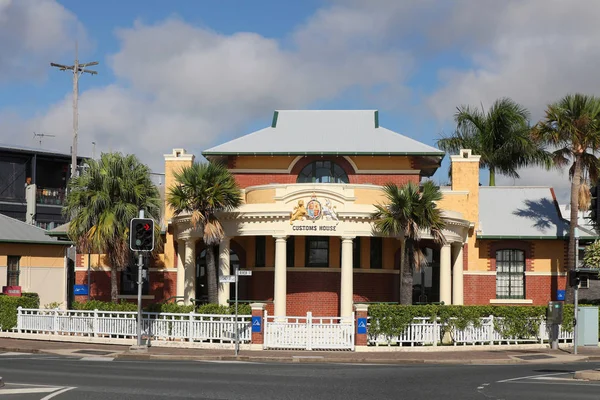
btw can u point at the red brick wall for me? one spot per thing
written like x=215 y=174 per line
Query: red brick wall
x=319 y=292
x=254 y=179
x=479 y=289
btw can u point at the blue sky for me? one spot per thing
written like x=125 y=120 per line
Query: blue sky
x=194 y=74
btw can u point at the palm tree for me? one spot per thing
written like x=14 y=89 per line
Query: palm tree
x=409 y=211
x=101 y=203
x=572 y=127
x=205 y=190
x=500 y=137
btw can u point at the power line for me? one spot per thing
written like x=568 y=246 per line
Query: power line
x=78 y=70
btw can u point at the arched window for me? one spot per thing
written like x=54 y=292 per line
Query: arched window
x=322 y=172
x=510 y=274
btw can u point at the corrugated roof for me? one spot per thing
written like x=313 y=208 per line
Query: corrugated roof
x=15 y=231
x=520 y=212
x=348 y=132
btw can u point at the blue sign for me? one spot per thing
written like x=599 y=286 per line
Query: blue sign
x=560 y=295
x=80 y=290
x=256 y=321
x=362 y=326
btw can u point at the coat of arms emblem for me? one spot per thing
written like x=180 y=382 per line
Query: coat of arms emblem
x=313 y=208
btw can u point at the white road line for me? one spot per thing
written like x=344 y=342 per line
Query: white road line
x=57 y=393
x=530 y=377
x=549 y=378
x=228 y=362
x=29 y=390
x=11 y=353
x=97 y=359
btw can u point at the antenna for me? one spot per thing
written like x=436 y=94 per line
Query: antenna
x=41 y=135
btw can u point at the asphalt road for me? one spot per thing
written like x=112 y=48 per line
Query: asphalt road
x=100 y=378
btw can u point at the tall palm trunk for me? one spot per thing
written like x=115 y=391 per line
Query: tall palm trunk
x=492 y=176
x=575 y=183
x=114 y=283
x=211 y=275
x=406 y=273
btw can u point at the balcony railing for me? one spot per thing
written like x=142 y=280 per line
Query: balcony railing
x=50 y=196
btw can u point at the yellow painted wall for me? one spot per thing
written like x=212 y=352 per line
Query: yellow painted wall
x=263 y=162
x=260 y=196
x=454 y=201
x=365 y=255
x=369 y=196
x=390 y=246
x=335 y=248
x=382 y=162
x=34 y=255
x=300 y=255
x=270 y=252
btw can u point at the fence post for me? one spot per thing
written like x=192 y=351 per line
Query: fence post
x=95 y=323
x=55 y=321
x=436 y=332
x=491 y=330
x=19 y=319
x=361 y=339
x=191 y=327
x=258 y=326
x=309 y=330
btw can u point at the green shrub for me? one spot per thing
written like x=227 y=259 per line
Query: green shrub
x=243 y=308
x=515 y=322
x=104 y=306
x=9 y=305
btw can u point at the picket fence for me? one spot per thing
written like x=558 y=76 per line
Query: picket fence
x=423 y=331
x=123 y=325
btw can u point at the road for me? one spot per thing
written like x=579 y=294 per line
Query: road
x=36 y=376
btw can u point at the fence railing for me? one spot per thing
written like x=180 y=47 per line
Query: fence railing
x=309 y=333
x=123 y=325
x=424 y=331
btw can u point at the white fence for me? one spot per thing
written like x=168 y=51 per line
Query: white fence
x=309 y=333
x=123 y=325
x=423 y=331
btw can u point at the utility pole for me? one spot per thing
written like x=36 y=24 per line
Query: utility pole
x=78 y=70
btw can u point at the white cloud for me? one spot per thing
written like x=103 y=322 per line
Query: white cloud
x=32 y=32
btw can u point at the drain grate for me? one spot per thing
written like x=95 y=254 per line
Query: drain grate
x=535 y=357
x=93 y=352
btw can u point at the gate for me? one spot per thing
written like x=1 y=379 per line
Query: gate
x=309 y=333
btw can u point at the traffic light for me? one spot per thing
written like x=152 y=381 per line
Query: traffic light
x=594 y=207
x=141 y=234
x=573 y=278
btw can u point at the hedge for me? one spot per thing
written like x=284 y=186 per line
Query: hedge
x=516 y=322
x=9 y=305
x=243 y=308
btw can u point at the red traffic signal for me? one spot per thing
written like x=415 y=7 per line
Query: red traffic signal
x=141 y=234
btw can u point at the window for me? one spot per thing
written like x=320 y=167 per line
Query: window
x=260 y=251
x=290 y=251
x=510 y=274
x=13 y=271
x=317 y=251
x=584 y=282
x=129 y=276
x=322 y=172
x=376 y=253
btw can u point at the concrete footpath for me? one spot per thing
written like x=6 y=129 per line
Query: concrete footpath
x=441 y=355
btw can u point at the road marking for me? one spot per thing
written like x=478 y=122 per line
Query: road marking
x=550 y=378
x=97 y=359
x=530 y=377
x=12 y=353
x=57 y=393
x=29 y=390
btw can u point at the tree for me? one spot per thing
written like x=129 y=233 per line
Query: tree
x=204 y=191
x=407 y=212
x=500 y=137
x=572 y=127
x=101 y=202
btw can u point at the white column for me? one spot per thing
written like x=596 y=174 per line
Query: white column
x=180 y=268
x=224 y=269
x=280 y=292
x=346 y=283
x=445 y=275
x=189 y=291
x=457 y=276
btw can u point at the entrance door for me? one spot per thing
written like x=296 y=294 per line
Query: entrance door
x=70 y=283
x=426 y=281
x=202 y=276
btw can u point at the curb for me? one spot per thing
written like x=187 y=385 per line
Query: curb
x=588 y=375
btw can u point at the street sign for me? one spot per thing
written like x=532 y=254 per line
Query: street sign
x=362 y=326
x=560 y=295
x=242 y=272
x=227 y=279
x=80 y=290
x=256 y=323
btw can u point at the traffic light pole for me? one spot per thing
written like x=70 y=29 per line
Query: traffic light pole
x=139 y=294
x=576 y=289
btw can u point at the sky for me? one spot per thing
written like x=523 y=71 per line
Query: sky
x=197 y=73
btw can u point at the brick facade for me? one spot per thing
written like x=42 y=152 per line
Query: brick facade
x=479 y=289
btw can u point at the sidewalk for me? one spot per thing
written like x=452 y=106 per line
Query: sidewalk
x=470 y=355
